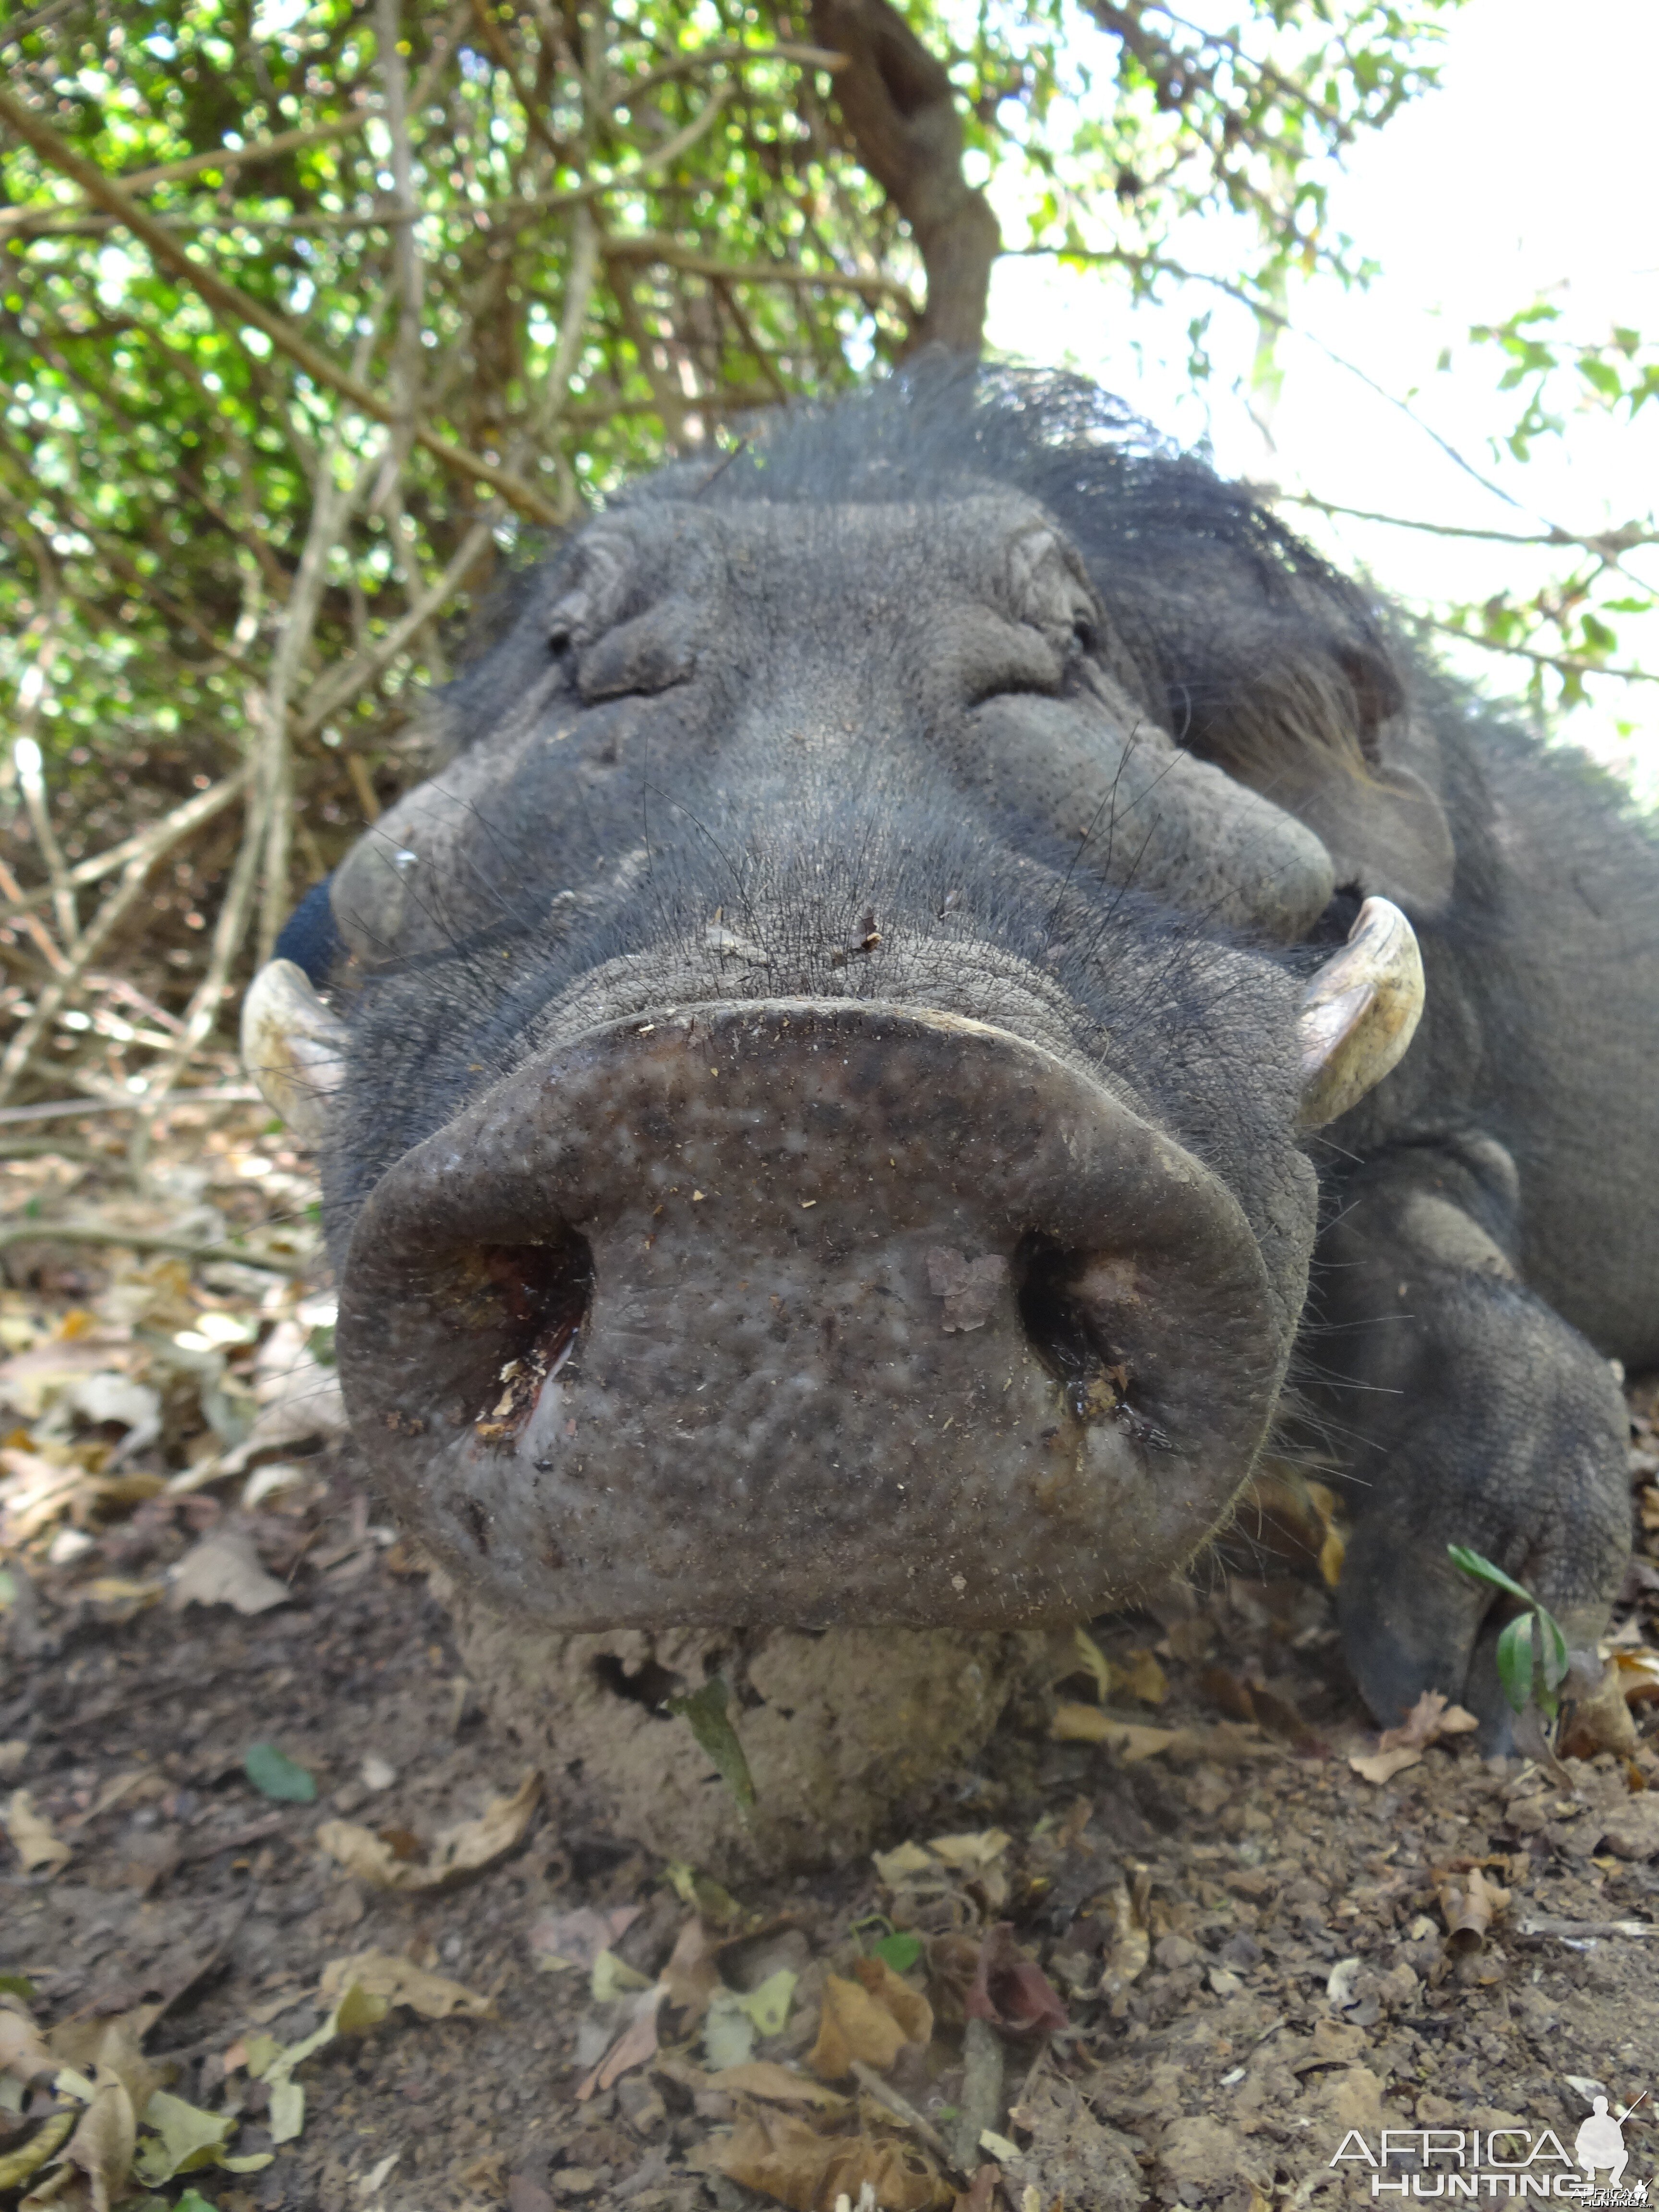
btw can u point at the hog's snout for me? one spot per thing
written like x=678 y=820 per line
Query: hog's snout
x=807 y=1310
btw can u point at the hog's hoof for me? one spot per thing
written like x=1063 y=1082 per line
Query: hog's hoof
x=843 y=1731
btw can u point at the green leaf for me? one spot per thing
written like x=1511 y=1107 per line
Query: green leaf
x=263 y=2053
x=16 y=1986
x=287 y=2116
x=705 y=1709
x=736 y=2019
x=184 y=2138
x=274 y=1774
x=703 y=1893
x=899 y=1952
x=193 y=2201
x=613 y=1978
x=1482 y=1568
x=1514 y=1662
x=1553 y=1659
x=1603 y=377
x=729 y=2032
x=768 y=2005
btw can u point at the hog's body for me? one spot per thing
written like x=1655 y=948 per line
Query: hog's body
x=820 y=1130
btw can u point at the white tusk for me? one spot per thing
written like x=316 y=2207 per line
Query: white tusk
x=1359 y=1012
x=293 y=1047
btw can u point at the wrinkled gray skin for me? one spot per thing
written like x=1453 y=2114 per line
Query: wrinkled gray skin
x=849 y=966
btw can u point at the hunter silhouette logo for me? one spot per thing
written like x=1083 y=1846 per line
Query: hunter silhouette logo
x=1505 y=2161
x=1598 y=2145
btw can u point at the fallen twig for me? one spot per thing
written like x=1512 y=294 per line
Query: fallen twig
x=56 y=1109
x=143 y=1240
x=901 y=2109
x=1542 y=1925
x=980 y=2105
x=144 y=844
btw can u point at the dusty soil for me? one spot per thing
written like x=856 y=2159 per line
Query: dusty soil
x=1229 y=1948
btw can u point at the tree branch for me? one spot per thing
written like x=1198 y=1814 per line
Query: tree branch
x=146 y=845
x=651 y=245
x=241 y=307
x=222 y=157
x=1565 y=664
x=142 y=1240
x=897 y=102
x=701 y=57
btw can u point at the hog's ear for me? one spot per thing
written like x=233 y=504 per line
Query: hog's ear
x=294 y=1048
x=1359 y=1013
x=1321 y=726
x=1385 y=830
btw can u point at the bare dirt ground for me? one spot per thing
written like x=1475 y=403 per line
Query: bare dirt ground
x=1185 y=1965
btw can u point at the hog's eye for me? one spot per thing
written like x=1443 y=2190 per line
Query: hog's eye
x=1082 y=633
x=559 y=639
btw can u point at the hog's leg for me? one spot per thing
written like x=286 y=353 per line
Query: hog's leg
x=1467 y=1412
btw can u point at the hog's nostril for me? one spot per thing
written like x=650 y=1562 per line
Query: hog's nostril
x=1069 y=1340
x=526 y=1304
x=1062 y=1333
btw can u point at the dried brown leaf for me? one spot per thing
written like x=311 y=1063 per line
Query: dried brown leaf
x=636 y=2043
x=401 y=1982
x=576 y=1939
x=788 y=2159
x=24 y=2052
x=903 y=1863
x=1146 y=1679
x=980 y=2194
x=853 y=2023
x=1011 y=1991
x=1603 y=1720
x=894 y=1995
x=115 y=2043
x=102 y=2146
x=1078 y=1723
x=967 y=1854
x=1429 y=1719
x=952 y=1962
x=33 y=1838
x=298 y=1398
x=776 y=2085
x=456 y=1853
x=1380 y=1766
x=691 y=1976
x=1130 y=1949
x=224 y=1569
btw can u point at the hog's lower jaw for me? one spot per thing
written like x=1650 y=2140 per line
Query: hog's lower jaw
x=798 y=1312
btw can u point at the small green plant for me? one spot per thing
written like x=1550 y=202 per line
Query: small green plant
x=706 y=1711
x=1532 y=1652
x=274 y=1775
